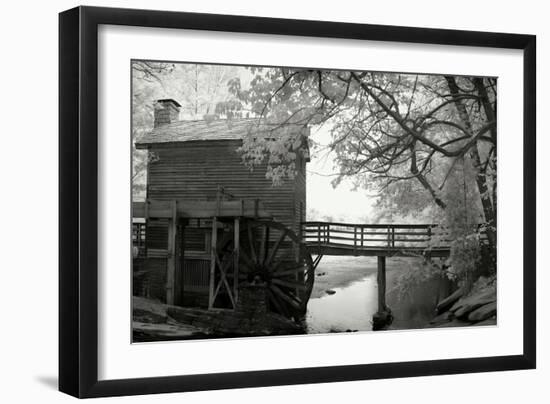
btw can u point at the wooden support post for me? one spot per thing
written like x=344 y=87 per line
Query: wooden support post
x=146 y=213
x=214 y=241
x=383 y=316
x=171 y=259
x=218 y=200
x=381 y=280
x=297 y=275
x=236 y=243
x=362 y=235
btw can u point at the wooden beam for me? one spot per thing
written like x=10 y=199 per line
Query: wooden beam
x=381 y=280
x=371 y=226
x=222 y=269
x=171 y=258
x=204 y=209
x=237 y=247
x=319 y=235
x=214 y=241
x=347 y=250
x=354 y=239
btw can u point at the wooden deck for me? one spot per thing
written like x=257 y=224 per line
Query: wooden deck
x=381 y=240
x=345 y=250
x=199 y=209
x=376 y=240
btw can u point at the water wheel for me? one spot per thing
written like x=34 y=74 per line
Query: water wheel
x=273 y=255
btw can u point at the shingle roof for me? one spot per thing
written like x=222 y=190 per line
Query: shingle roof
x=187 y=131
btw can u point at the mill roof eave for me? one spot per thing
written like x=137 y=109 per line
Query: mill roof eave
x=180 y=132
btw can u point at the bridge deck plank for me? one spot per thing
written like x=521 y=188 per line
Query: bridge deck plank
x=350 y=250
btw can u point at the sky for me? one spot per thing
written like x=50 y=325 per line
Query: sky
x=343 y=203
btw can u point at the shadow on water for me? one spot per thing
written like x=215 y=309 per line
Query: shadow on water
x=349 y=309
x=354 y=302
x=415 y=309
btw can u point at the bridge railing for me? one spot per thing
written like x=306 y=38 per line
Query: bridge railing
x=374 y=235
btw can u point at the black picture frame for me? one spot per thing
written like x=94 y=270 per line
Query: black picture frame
x=78 y=201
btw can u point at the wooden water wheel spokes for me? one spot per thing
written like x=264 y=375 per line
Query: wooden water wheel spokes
x=273 y=255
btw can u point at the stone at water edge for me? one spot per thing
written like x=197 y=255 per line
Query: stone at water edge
x=449 y=301
x=381 y=319
x=330 y=292
x=442 y=318
x=484 y=312
x=468 y=308
x=473 y=301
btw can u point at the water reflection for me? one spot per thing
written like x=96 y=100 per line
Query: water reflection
x=349 y=309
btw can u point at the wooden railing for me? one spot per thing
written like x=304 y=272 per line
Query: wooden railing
x=360 y=236
x=138 y=237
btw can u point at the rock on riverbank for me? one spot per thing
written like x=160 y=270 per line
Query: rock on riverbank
x=478 y=307
x=154 y=321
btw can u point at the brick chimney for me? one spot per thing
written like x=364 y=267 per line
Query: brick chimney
x=166 y=111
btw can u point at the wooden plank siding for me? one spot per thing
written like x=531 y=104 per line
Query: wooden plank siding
x=300 y=194
x=193 y=171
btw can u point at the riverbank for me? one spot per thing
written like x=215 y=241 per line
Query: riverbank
x=339 y=272
x=414 y=309
x=344 y=297
x=155 y=321
x=477 y=307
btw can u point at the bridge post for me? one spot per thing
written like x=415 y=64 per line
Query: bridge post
x=383 y=316
x=381 y=280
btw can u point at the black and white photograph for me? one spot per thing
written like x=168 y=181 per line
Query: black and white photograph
x=275 y=201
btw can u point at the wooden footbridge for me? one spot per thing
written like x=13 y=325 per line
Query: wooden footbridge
x=380 y=240
x=207 y=230
x=427 y=241
x=246 y=245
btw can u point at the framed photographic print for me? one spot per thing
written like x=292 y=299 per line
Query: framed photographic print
x=250 y=201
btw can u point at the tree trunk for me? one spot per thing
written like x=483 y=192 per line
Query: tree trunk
x=481 y=180
x=490 y=113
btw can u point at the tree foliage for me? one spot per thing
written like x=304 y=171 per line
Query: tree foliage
x=202 y=90
x=409 y=137
x=425 y=144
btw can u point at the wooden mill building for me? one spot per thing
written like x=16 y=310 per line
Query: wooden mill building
x=196 y=163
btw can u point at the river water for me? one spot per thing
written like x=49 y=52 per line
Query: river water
x=349 y=309
x=354 y=301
